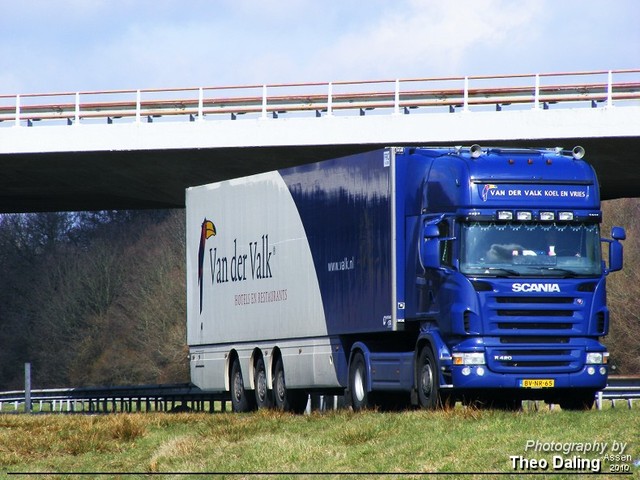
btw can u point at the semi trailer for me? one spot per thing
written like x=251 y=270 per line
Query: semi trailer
x=402 y=276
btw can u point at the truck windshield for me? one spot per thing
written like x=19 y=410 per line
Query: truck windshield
x=530 y=249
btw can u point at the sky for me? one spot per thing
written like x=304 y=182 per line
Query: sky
x=89 y=45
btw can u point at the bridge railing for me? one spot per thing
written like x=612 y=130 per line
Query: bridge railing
x=400 y=96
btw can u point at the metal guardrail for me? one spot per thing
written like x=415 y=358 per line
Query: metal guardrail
x=400 y=96
x=182 y=397
x=135 y=398
x=625 y=388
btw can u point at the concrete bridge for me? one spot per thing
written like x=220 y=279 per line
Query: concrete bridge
x=130 y=149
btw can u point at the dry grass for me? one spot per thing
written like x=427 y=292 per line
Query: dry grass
x=459 y=440
x=27 y=438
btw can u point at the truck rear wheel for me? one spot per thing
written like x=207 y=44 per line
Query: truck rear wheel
x=263 y=394
x=285 y=399
x=427 y=381
x=240 y=401
x=358 y=382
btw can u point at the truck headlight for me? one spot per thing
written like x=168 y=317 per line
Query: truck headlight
x=597 y=358
x=473 y=358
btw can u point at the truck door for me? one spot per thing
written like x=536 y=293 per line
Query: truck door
x=435 y=256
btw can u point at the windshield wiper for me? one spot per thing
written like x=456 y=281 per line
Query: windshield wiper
x=506 y=272
x=566 y=273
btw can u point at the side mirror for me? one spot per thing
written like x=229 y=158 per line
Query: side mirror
x=430 y=246
x=616 y=249
x=618 y=233
x=615 y=256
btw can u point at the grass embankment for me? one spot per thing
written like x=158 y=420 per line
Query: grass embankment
x=461 y=440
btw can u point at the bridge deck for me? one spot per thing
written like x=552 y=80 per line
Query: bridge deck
x=141 y=148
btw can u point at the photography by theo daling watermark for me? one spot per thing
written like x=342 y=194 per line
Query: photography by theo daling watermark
x=591 y=456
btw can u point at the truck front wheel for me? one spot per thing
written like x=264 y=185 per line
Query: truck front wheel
x=427 y=382
x=358 y=382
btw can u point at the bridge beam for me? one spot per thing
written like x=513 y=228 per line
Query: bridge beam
x=148 y=165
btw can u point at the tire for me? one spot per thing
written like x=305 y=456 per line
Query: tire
x=578 y=401
x=240 y=401
x=264 y=397
x=358 y=383
x=286 y=400
x=427 y=380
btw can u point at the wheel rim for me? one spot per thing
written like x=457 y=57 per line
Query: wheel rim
x=426 y=380
x=261 y=386
x=238 y=386
x=358 y=385
x=280 y=387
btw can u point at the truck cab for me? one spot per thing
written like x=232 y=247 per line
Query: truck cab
x=505 y=276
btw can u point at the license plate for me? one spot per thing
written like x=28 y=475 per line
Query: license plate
x=537 y=383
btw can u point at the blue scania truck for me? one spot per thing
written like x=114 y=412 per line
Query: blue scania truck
x=416 y=275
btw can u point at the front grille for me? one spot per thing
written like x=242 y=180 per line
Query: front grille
x=548 y=300
x=536 y=364
x=533 y=326
x=533 y=315
x=538 y=353
x=529 y=340
x=533 y=332
x=530 y=360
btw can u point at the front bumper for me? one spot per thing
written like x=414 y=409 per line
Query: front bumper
x=480 y=377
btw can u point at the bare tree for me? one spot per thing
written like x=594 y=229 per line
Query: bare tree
x=623 y=288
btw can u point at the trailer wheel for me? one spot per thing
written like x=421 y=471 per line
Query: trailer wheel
x=427 y=380
x=358 y=382
x=263 y=395
x=239 y=399
x=285 y=399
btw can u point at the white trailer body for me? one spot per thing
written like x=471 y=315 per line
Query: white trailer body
x=279 y=266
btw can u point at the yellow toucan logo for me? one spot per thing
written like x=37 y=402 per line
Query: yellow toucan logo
x=207 y=230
